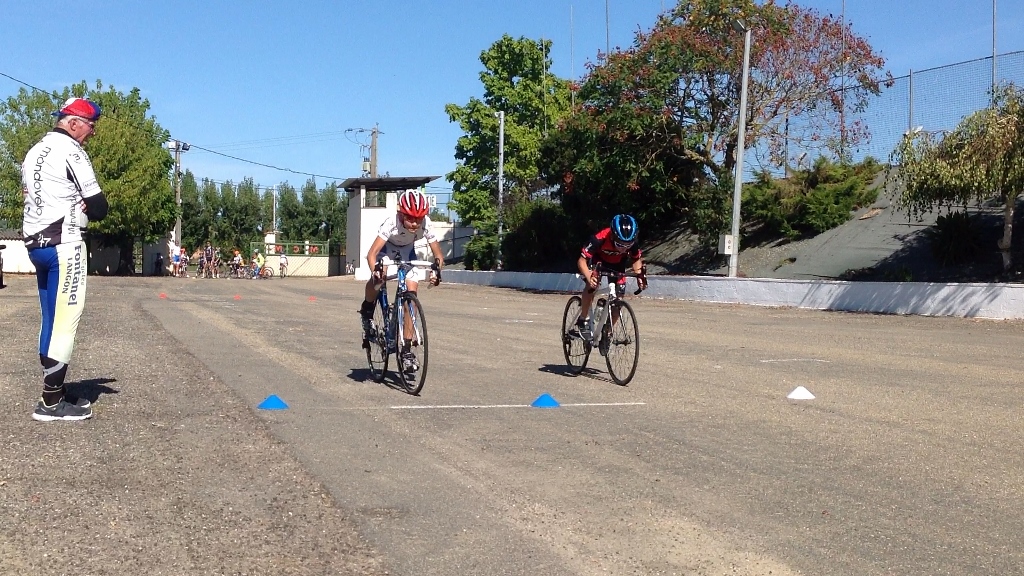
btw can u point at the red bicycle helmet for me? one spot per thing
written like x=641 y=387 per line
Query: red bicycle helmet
x=413 y=203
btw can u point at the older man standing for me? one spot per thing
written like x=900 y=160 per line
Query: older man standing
x=61 y=196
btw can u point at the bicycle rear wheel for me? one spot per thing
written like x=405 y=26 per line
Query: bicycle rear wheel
x=411 y=307
x=377 y=346
x=624 y=348
x=575 y=348
x=267 y=272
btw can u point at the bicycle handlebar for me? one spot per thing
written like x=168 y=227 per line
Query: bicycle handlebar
x=407 y=265
x=615 y=274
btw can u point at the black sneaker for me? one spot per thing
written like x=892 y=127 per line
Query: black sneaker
x=61 y=411
x=409 y=363
x=75 y=400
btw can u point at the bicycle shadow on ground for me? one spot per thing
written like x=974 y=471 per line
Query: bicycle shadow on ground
x=563 y=370
x=91 y=389
x=391 y=380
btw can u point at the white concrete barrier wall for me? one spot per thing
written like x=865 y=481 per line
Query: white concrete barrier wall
x=996 y=301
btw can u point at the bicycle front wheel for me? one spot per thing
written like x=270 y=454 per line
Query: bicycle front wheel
x=267 y=272
x=574 y=347
x=624 y=348
x=377 y=346
x=412 y=367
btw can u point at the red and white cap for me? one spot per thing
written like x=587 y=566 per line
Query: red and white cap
x=79 y=107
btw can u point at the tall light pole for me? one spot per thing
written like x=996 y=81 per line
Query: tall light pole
x=738 y=185
x=607 y=31
x=178 y=148
x=994 y=81
x=501 y=178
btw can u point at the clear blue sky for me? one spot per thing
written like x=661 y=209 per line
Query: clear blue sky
x=279 y=82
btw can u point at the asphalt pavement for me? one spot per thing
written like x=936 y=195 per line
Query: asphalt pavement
x=906 y=461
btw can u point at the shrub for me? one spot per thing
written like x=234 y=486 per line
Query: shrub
x=955 y=238
x=480 y=252
x=810 y=201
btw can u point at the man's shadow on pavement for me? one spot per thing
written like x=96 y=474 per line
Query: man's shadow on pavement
x=92 y=388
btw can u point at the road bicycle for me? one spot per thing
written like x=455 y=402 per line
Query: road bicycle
x=399 y=326
x=266 y=272
x=611 y=328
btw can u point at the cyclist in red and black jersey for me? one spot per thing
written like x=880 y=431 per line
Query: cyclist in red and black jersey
x=614 y=248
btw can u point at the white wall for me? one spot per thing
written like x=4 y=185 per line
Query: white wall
x=453 y=238
x=367 y=220
x=16 y=258
x=995 y=301
x=101 y=260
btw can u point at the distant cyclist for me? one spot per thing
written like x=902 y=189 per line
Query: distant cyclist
x=237 y=265
x=615 y=248
x=398 y=238
x=283 y=265
x=207 y=259
x=257 y=263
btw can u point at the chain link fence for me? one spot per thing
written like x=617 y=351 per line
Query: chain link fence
x=935 y=99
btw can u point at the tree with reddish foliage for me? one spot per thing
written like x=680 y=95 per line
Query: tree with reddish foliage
x=655 y=127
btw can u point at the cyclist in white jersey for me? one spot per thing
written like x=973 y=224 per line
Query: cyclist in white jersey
x=61 y=196
x=398 y=238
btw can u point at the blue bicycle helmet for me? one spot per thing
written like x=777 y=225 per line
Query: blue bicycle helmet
x=624 y=228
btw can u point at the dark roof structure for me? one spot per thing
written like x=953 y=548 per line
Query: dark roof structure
x=10 y=234
x=387 y=184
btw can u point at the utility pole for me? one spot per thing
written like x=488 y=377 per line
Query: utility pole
x=607 y=31
x=994 y=81
x=501 y=178
x=734 y=255
x=373 y=151
x=273 y=209
x=178 y=148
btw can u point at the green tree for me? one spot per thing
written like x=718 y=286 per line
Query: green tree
x=335 y=216
x=289 y=212
x=981 y=159
x=127 y=152
x=655 y=129
x=210 y=212
x=517 y=82
x=23 y=121
x=225 y=225
x=196 y=222
x=312 y=221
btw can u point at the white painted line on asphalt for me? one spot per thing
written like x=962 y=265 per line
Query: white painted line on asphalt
x=464 y=406
x=798 y=360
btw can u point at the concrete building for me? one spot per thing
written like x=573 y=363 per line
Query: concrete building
x=371 y=201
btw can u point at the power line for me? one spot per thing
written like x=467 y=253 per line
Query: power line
x=23 y=82
x=271 y=166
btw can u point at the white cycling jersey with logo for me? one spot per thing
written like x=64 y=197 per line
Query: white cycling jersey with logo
x=57 y=176
x=402 y=244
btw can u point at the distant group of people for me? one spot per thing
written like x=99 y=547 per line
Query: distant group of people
x=210 y=263
x=208 y=259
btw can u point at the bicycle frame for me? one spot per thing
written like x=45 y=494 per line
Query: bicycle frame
x=396 y=334
x=608 y=295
